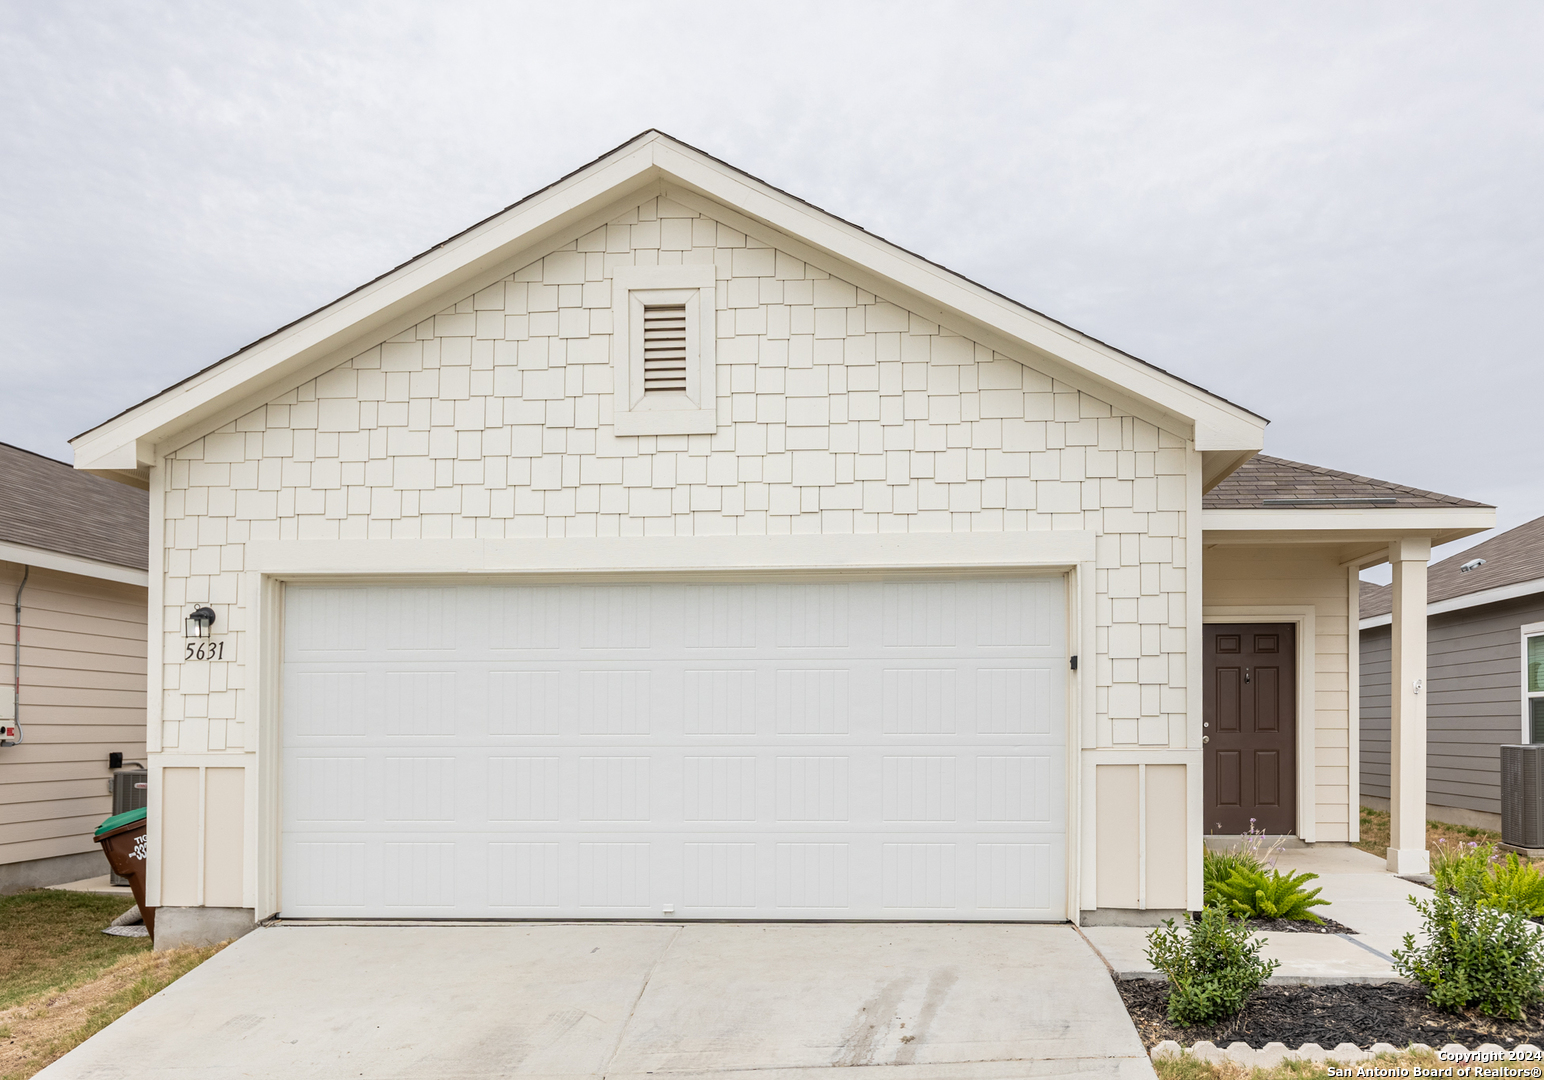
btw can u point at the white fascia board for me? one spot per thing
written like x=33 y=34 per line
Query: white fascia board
x=1218 y=425
x=135 y=434
x=737 y=555
x=131 y=441
x=1468 y=600
x=72 y=564
x=1406 y=520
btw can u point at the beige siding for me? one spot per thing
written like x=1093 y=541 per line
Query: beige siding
x=1243 y=576
x=82 y=696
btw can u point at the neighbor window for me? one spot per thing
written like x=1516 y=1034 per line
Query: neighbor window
x=1533 y=686
x=662 y=344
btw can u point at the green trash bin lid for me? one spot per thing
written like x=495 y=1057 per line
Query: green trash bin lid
x=118 y=821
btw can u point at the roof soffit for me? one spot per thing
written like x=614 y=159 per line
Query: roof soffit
x=130 y=441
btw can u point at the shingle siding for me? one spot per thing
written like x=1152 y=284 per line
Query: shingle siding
x=1473 y=707
x=839 y=412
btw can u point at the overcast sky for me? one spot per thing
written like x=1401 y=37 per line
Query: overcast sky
x=1329 y=213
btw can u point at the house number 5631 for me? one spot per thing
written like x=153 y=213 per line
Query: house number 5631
x=204 y=650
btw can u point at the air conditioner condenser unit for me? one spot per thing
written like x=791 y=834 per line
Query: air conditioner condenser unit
x=1522 y=796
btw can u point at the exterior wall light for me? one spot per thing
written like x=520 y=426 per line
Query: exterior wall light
x=199 y=622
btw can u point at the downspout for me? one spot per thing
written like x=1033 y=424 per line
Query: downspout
x=26 y=572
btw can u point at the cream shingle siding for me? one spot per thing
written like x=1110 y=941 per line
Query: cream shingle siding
x=839 y=413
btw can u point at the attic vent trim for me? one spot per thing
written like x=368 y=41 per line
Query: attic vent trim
x=664 y=348
x=1364 y=501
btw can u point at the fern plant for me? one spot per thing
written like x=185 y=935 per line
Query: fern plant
x=1269 y=895
x=1481 y=875
x=1514 y=884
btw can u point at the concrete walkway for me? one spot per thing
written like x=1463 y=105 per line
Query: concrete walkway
x=1362 y=894
x=907 y=1001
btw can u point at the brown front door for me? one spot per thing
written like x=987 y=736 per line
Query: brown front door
x=1249 y=718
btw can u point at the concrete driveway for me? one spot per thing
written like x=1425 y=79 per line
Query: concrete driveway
x=758 y=1001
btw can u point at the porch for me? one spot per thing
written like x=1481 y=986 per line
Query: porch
x=1284 y=545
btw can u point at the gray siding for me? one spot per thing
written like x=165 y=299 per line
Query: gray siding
x=1474 y=703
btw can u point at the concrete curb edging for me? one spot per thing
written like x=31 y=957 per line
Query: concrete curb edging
x=1272 y=1054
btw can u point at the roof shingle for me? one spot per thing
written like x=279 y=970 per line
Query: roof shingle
x=46 y=504
x=1271 y=483
x=1511 y=558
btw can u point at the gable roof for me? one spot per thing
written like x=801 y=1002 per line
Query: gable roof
x=1514 y=566
x=1272 y=483
x=48 y=506
x=126 y=445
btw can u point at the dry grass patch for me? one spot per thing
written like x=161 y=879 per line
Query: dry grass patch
x=49 y=1025
x=1189 y=1068
x=1375 y=833
x=53 y=940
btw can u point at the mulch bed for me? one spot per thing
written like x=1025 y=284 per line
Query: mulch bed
x=1328 y=1015
x=1302 y=926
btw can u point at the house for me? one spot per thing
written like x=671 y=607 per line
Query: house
x=73 y=589
x=665 y=547
x=1485 y=675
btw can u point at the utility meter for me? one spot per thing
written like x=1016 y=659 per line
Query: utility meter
x=8 y=732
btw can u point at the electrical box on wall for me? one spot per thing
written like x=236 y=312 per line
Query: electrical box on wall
x=7 y=716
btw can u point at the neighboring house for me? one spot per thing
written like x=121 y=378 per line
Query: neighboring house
x=1485 y=681
x=663 y=546
x=73 y=551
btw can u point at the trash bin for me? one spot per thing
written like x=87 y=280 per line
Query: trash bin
x=124 y=841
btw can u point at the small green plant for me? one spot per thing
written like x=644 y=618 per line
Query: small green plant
x=1481 y=874
x=1516 y=885
x=1476 y=956
x=1212 y=963
x=1269 y=894
x=1218 y=866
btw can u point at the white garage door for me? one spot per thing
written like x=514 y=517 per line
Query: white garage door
x=875 y=749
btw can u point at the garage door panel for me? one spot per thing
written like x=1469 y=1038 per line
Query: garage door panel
x=864 y=749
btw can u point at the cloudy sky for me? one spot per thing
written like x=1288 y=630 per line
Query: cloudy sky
x=1330 y=213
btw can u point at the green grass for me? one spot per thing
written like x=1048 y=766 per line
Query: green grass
x=51 y=940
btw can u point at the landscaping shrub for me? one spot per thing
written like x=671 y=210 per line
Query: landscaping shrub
x=1476 y=956
x=1218 y=866
x=1212 y=963
x=1477 y=872
x=1268 y=895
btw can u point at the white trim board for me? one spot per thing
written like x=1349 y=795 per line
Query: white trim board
x=1058 y=550
x=1527 y=630
x=1468 y=600
x=1303 y=617
x=72 y=564
x=127 y=442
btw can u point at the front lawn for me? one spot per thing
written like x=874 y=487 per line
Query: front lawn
x=1188 y=1068
x=1375 y=833
x=53 y=940
x=62 y=980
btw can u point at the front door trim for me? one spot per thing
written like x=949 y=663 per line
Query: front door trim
x=1303 y=617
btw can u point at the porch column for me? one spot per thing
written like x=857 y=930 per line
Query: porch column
x=1407 y=701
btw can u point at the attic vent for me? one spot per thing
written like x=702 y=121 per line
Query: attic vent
x=664 y=348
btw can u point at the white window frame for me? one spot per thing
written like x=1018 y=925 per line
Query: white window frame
x=1529 y=630
x=694 y=412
